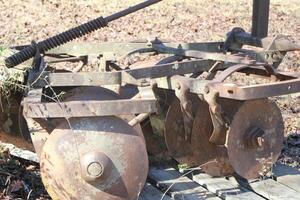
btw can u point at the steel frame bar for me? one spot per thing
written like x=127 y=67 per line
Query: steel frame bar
x=130 y=76
x=88 y=108
x=205 y=55
x=123 y=48
x=232 y=91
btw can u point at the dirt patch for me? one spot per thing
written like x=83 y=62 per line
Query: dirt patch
x=19 y=179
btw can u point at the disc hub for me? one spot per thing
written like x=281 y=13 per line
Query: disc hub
x=95 y=166
x=254 y=138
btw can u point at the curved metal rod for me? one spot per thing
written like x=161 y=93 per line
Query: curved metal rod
x=229 y=71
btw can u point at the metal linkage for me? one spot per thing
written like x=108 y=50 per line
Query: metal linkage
x=71 y=34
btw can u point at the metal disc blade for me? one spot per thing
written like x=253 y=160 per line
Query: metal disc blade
x=212 y=158
x=197 y=151
x=178 y=147
x=13 y=127
x=202 y=130
x=99 y=158
x=255 y=137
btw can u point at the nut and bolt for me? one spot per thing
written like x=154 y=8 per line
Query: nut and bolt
x=95 y=169
x=96 y=166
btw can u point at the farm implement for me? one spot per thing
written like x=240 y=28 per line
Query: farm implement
x=89 y=110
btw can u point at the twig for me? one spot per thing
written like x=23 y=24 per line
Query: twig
x=28 y=196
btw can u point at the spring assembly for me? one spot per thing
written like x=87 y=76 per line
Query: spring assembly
x=55 y=41
x=71 y=34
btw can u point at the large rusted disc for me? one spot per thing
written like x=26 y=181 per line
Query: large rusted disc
x=99 y=158
x=178 y=147
x=12 y=122
x=197 y=151
x=212 y=158
x=255 y=137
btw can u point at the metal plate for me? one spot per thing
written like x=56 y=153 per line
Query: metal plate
x=251 y=161
x=62 y=161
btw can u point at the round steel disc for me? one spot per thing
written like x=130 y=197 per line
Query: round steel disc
x=212 y=158
x=198 y=151
x=125 y=165
x=202 y=130
x=13 y=127
x=264 y=115
x=174 y=133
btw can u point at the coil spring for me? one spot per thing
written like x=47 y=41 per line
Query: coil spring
x=55 y=41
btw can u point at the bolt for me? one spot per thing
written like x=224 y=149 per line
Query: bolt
x=260 y=141
x=175 y=66
x=206 y=90
x=254 y=138
x=95 y=170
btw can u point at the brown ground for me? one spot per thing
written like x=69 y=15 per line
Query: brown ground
x=22 y=21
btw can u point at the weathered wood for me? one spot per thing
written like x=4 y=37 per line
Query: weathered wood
x=180 y=187
x=151 y=193
x=269 y=189
x=224 y=188
x=287 y=176
x=20 y=153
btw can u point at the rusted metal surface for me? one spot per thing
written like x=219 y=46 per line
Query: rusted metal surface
x=186 y=105
x=198 y=150
x=89 y=108
x=124 y=48
x=205 y=55
x=106 y=149
x=218 y=135
x=13 y=127
x=39 y=135
x=232 y=91
x=290 y=84
x=98 y=172
x=131 y=76
x=255 y=138
x=16 y=140
x=178 y=146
